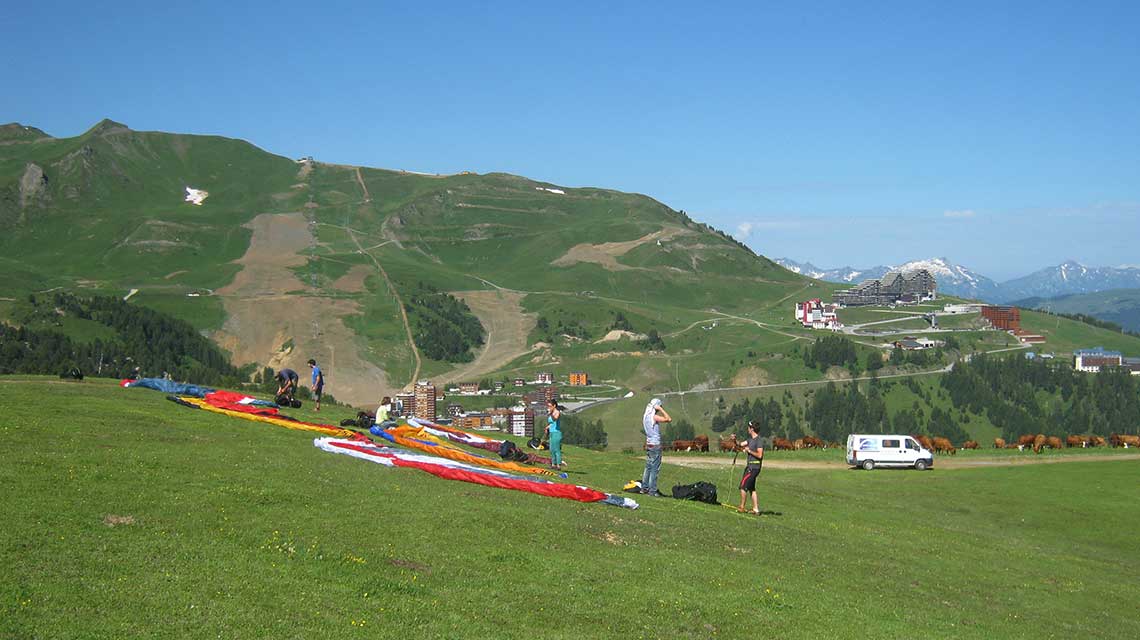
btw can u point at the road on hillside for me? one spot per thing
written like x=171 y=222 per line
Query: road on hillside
x=777 y=385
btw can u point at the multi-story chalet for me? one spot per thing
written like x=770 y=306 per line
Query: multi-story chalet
x=579 y=379
x=892 y=287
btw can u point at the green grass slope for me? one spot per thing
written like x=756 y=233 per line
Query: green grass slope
x=145 y=519
x=1121 y=306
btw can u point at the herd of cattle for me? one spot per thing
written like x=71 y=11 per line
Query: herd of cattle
x=937 y=445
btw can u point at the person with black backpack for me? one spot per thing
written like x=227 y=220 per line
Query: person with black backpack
x=755 y=453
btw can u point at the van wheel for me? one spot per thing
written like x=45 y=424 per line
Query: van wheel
x=868 y=465
x=920 y=465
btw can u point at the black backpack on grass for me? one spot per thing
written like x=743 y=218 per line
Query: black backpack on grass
x=699 y=491
x=510 y=452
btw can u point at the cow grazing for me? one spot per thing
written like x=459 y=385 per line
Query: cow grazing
x=702 y=443
x=684 y=445
x=1124 y=441
x=1026 y=440
x=1039 y=442
x=782 y=444
x=942 y=445
x=1075 y=441
x=999 y=443
x=969 y=444
x=1053 y=442
x=1096 y=441
x=729 y=443
x=798 y=444
x=812 y=442
x=925 y=441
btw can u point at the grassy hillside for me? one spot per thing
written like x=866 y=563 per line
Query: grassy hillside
x=149 y=519
x=285 y=261
x=1121 y=306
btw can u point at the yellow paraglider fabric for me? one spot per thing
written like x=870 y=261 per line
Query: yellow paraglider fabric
x=280 y=422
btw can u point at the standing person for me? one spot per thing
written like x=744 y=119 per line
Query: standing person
x=752 y=469
x=554 y=431
x=318 y=382
x=650 y=423
x=286 y=385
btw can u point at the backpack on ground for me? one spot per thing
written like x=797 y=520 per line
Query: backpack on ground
x=510 y=452
x=699 y=491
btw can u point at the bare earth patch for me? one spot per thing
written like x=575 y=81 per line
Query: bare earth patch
x=353 y=281
x=618 y=334
x=507 y=326
x=116 y=521
x=606 y=254
x=750 y=377
x=174 y=274
x=262 y=317
x=616 y=354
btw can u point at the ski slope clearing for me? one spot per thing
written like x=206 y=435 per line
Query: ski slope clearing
x=269 y=322
x=507 y=327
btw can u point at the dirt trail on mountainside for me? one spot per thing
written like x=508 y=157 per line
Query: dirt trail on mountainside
x=507 y=327
x=939 y=463
x=266 y=326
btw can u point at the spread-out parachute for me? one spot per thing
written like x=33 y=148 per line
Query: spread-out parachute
x=469 y=439
x=453 y=470
x=446 y=459
x=435 y=447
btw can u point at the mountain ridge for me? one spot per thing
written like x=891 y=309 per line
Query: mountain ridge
x=1069 y=277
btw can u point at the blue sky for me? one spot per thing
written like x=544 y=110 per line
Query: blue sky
x=1003 y=136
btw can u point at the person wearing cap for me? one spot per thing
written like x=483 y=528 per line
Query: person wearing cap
x=651 y=421
x=318 y=382
x=755 y=453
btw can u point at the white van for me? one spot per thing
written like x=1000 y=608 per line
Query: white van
x=870 y=451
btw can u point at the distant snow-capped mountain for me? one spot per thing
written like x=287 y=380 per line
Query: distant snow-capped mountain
x=843 y=274
x=1069 y=277
x=953 y=279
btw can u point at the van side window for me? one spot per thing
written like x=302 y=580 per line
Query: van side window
x=891 y=444
x=911 y=444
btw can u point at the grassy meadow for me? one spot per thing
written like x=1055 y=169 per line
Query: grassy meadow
x=129 y=516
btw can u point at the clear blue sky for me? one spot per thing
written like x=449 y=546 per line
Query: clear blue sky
x=1002 y=135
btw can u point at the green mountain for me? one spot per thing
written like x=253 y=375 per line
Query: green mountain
x=1119 y=306
x=285 y=260
x=385 y=277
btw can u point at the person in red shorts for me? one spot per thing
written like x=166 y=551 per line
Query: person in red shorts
x=752 y=469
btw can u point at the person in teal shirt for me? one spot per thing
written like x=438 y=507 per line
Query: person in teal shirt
x=554 y=431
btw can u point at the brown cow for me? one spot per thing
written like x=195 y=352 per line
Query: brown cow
x=1026 y=440
x=702 y=443
x=1096 y=441
x=925 y=442
x=1039 y=441
x=999 y=443
x=798 y=444
x=969 y=444
x=782 y=444
x=729 y=443
x=1124 y=441
x=682 y=445
x=1054 y=442
x=942 y=445
x=1075 y=441
x=812 y=442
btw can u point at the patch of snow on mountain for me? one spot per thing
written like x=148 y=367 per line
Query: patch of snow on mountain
x=196 y=196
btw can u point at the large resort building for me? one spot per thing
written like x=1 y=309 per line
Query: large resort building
x=895 y=286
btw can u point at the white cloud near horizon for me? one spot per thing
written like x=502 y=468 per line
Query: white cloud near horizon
x=743 y=230
x=960 y=213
